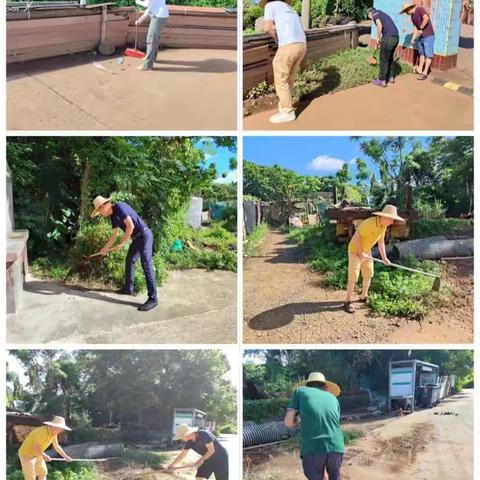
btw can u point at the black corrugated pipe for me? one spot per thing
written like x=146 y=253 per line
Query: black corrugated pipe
x=428 y=249
x=254 y=434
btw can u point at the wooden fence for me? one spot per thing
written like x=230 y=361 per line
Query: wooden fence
x=48 y=33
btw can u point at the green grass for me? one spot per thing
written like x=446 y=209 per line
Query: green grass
x=146 y=458
x=444 y=226
x=340 y=71
x=351 y=435
x=392 y=292
x=254 y=239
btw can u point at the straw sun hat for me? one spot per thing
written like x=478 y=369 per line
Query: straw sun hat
x=407 y=7
x=183 y=430
x=58 y=422
x=98 y=203
x=333 y=388
x=390 y=211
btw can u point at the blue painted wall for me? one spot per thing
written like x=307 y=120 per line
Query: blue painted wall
x=445 y=18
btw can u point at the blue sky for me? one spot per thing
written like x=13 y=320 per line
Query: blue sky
x=221 y=160
x=306 y=155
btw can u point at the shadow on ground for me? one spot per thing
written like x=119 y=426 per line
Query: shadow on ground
x=46 y=288
x=280 y=316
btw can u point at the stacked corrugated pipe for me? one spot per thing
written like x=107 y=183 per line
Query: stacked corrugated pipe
x=265 y=433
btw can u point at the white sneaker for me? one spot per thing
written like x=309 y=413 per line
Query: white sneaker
x=283 y=117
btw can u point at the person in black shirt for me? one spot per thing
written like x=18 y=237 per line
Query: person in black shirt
x=214 y=456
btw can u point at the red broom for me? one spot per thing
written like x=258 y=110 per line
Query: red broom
x=134 y=52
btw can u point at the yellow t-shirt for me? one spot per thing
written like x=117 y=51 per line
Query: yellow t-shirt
x=40 y=436
x=370 y=232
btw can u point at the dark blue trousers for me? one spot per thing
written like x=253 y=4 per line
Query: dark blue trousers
x=141 y=248
x=315 y=464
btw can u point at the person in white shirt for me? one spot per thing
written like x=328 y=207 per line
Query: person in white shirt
x=157 y=10
x=283 y=24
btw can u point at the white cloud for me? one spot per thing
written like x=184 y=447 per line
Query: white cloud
x=353 y=161
x=325 y=163
x=230 y=178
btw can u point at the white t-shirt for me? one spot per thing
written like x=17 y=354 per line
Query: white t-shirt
x=156 y=8
x=287 y=22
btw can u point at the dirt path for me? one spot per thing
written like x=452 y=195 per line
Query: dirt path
x=407 y=105
x=285 y=302
x=422 y=446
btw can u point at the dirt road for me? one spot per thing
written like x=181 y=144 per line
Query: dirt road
x=422 y=446
x=285 y=302
x=117 y=470
x=407 y=105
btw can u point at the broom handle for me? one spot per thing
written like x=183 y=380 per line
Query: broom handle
x=414 y=270
x=136 y=26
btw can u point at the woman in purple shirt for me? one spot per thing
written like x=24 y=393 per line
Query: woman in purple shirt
x=125 y=218
x=424 y=35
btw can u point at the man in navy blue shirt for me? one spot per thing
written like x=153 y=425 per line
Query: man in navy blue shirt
x=125 y=218
x=387 y=40
x=213 y=455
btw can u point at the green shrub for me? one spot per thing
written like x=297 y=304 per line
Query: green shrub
x=429 y=209
x=107 y=435
x=110 y=269
x=229 y=428
x=351 y=435
x=51 y=268
x=442 y=226
x=250 y=14
x=256 y=237
x=261 y=411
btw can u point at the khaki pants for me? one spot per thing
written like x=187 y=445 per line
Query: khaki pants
x=33 y=468
x=355 y=266
x=285 y=68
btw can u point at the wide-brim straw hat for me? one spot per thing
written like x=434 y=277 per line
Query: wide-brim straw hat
x=333 y=388
x=98 y=203
x=183 y=430
x=390 y=211
x=262 y=3
x=407 y=6
x=58 y=422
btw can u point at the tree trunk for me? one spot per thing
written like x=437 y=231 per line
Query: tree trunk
x=84 y=200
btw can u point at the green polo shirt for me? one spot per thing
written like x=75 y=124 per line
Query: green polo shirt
x=320 y=421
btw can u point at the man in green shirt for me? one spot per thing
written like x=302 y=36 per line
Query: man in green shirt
x=315 y=408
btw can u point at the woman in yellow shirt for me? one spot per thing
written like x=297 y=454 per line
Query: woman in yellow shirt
x=32 y=451
x=370 y=232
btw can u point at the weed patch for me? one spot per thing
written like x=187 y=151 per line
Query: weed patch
x=253 y=240
x=144 y=458
x=341 y=71
x=392 y=292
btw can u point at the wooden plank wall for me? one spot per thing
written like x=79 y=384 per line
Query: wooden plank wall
x=63 y=33
x=259 y=50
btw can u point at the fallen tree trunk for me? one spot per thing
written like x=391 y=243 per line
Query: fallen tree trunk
x=91 y=450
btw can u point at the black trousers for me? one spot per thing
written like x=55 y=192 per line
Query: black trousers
x=315 y=464
x=388 y=46
x=214 y=465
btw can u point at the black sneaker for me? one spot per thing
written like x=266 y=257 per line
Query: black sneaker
x=123 y=291
x=148 y=305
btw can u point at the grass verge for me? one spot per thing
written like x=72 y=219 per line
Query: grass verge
x=155 y=460
x=254 y=239
x=341 y=71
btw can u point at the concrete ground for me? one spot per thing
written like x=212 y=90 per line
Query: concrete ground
x=407 y=105
x=189 y=89
x=195 y=306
